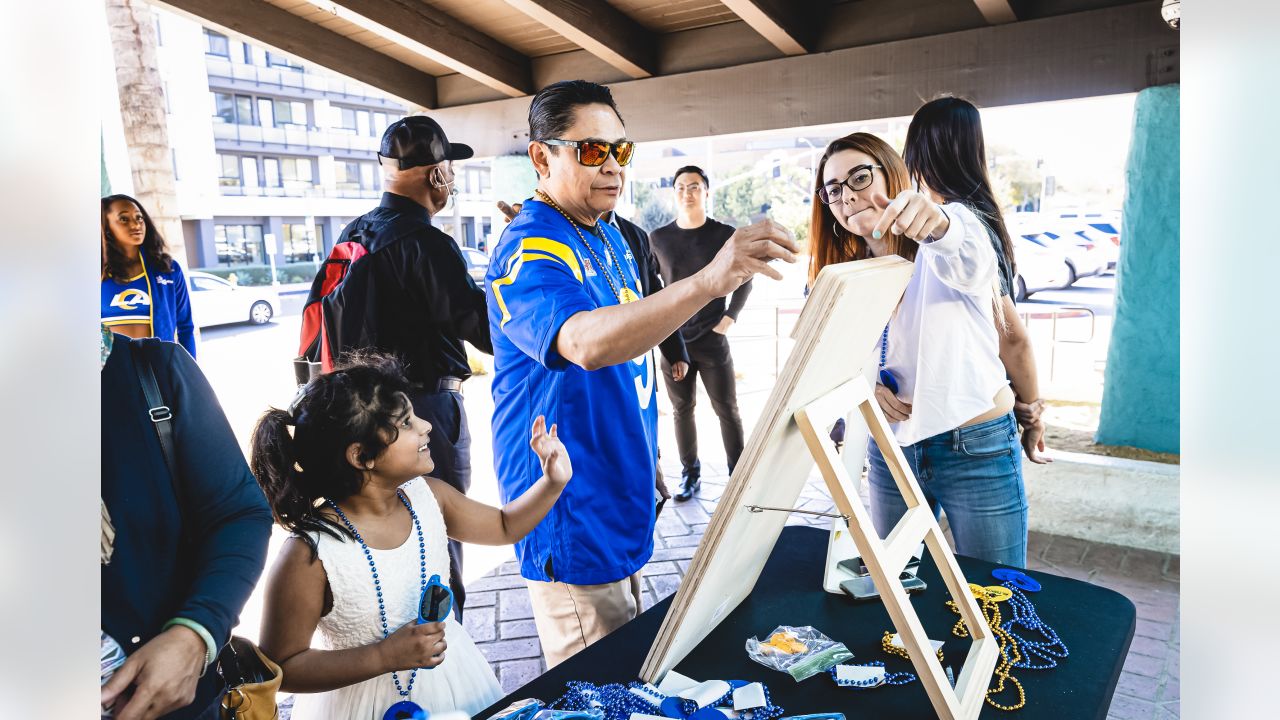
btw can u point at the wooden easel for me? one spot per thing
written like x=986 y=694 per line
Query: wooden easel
x=840 y=324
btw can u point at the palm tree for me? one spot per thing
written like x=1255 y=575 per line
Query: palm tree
x=132 y=26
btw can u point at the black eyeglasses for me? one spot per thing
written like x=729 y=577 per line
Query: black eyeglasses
x=859 y=178
x=593 y=153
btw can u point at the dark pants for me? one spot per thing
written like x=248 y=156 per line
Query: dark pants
x=709 y=357
x=450 y=446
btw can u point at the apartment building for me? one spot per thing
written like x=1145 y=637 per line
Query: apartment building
x=273 y=156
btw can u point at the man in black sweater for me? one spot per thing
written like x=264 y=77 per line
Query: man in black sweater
x=681 y=249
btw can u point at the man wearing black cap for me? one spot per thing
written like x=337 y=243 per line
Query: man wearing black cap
x=411 y=295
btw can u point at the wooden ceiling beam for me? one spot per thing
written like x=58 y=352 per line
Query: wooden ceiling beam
x=997 y=12
x=784 y=23
x=291 y=34
x=1085 y=54
x=442 y=38
x=600 y=29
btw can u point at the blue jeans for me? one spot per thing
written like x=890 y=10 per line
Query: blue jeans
x=975 y=475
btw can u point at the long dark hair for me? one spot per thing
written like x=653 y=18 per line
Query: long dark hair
x=356 y=403
x=154 y=250
x=829 y=243
x=945 y=150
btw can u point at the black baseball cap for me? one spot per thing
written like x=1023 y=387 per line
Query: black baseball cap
x=418 y=140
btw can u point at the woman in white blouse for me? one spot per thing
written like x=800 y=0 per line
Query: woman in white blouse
x=941 y=384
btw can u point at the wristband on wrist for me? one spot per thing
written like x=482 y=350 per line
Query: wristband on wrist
x=210 y=647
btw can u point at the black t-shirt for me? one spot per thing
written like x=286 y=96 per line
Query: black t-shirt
x=680 y=253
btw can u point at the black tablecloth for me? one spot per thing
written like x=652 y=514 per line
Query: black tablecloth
x=1096 y=624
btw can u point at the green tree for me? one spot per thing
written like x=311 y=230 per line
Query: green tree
x=1014 y=177
x=785 y=198
x=652 y=210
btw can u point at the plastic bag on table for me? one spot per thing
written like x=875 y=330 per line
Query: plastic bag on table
x=801 y=652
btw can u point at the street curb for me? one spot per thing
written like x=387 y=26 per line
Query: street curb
x=1118 y=501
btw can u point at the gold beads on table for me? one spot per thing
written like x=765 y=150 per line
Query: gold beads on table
x=1009 y=652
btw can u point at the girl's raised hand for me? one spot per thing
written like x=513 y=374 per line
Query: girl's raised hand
x=547 y=446
x=912 y=214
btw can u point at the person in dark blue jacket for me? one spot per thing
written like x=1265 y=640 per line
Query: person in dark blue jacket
x=144 y=292
x=188 y=549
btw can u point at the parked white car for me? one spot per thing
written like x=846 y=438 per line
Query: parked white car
x=1104 y=231
x=1084 y=258
x=477 y=264
x=1038 y=268
x=215 y=301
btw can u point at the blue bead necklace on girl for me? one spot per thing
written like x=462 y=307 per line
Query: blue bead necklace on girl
x=405 y=709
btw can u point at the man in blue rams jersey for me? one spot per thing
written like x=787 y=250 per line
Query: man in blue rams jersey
x=572 y=339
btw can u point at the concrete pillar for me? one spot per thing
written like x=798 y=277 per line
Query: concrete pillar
x=1140 y=400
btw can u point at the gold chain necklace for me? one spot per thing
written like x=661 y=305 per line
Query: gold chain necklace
x=626 y=294
x=991 y=611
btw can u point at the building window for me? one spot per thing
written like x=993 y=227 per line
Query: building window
x=233 y=109
x=216 y=44
x=239 y=244
x=296 y=171
x=355 y=121
x=299 y=245
x=271 y=172
x=230 y=175
x=347 y=174
x=290 y=112
x=379 y=125
x=248 y=53
x=173 y=156
x=280 y=61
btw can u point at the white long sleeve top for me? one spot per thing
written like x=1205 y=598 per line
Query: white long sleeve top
x=942 y=344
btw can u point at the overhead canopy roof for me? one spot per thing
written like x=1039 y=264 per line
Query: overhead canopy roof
x=693 y=67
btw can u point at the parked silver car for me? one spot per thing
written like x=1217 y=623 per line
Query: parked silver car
x=215 y=301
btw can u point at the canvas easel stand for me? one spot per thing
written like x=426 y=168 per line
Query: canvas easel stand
x=823 y=378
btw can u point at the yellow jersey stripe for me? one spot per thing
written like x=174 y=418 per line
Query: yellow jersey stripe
x=555 y=249
x=513 y=271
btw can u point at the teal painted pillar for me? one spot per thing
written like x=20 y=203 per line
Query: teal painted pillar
x=1140 y=391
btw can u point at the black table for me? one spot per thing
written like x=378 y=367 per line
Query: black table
x=1096 y=624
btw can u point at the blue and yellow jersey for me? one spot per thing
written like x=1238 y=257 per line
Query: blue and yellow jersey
x=155 y=297
x=540 y=275
x=128 y=302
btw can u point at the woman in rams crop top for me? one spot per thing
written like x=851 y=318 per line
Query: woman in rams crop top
x=144 y=292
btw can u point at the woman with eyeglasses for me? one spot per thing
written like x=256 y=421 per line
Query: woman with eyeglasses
x=941 y=384
x=144 y=292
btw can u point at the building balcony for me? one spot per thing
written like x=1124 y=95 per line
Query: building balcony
x=297 y=139
x=301 y=190
x=283 y=82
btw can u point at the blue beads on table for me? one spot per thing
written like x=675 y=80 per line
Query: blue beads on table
x=901 y=678
x=1046 y=652
x=619 y=702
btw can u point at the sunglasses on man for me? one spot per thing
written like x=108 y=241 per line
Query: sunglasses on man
x=593 y=153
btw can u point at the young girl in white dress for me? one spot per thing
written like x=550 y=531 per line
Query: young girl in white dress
x=369 y=530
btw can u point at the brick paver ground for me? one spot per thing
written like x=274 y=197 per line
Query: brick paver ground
x=499 y=619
